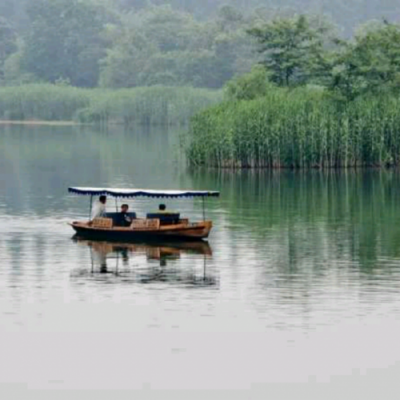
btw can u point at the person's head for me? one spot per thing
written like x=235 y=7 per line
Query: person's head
x=103 y=199
x=124 y=208
x=162 y=207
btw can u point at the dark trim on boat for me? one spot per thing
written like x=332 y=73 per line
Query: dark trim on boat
x=107 y=234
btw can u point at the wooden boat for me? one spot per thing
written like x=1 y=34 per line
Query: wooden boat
x=164 y=226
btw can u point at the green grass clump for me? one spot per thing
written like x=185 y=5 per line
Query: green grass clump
x=301 y=128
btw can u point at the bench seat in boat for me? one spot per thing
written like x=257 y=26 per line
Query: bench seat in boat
x=165 y=218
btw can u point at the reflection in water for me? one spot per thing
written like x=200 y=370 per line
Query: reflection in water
x=120 y=255
x=345 y=215
x=303 y=280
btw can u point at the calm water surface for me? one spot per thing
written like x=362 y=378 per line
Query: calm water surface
x=297 y=293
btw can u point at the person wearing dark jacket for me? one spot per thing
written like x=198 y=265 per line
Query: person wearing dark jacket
x=123 y=218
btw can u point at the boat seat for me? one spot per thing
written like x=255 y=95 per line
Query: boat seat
x=114 y=216
x=105 y=223
x=145 y=224
x=165 y=218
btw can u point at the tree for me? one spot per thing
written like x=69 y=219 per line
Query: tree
x=7 y=44
x=126 y=60
x=249 y=86
x=370 y=63
x=146 y=45
x=168 y=29
x=291 y=48
x=229 y=18
x=159 y=45
x=64 y=40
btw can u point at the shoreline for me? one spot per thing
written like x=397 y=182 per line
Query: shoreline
x=40 y=122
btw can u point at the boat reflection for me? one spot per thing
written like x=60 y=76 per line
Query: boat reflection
x=149 y=262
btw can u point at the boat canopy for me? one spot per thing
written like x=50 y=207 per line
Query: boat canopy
x=112 y=192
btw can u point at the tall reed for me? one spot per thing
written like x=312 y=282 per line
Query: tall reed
x=154 y=105
x=300 y=128
x=42 y=101
x=145 y=105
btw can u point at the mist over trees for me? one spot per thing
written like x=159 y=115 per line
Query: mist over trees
x=200 y=43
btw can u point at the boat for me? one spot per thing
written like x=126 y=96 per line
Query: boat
x=155 y=226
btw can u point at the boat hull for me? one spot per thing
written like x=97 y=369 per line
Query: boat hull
x=196 y=231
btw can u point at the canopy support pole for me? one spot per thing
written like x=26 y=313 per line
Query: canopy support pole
x=116 y=204
x=116 y=270
x=204 y=209
x=91 y=260
x=90 y=207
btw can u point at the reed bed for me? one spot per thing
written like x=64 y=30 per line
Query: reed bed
x=42 y=102
x=155 y=105
x=147 y=105
x=301 y=128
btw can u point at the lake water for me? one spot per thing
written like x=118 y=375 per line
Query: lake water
x=296 y=296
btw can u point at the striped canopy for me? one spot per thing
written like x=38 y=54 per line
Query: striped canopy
x=112 y=192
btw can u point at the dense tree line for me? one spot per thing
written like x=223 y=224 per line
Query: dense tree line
x=302 y=51
x=92 y=42
x=130 y=43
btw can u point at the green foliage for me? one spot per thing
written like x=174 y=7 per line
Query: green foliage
x=349 y=119
x=249 y=86
x=13 y=74
x=159 y=45
x=292 y=49
x=156 y=105
x=301 y=128
x=64 y=40
x=346 y=13
x=134 y=43
x=7 y=44
x=369 y=64
x=131 y=43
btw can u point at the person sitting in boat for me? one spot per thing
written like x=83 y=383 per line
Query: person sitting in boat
x=162 y=209
x=99 y=208
x=123 y=218
x=166 y=216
